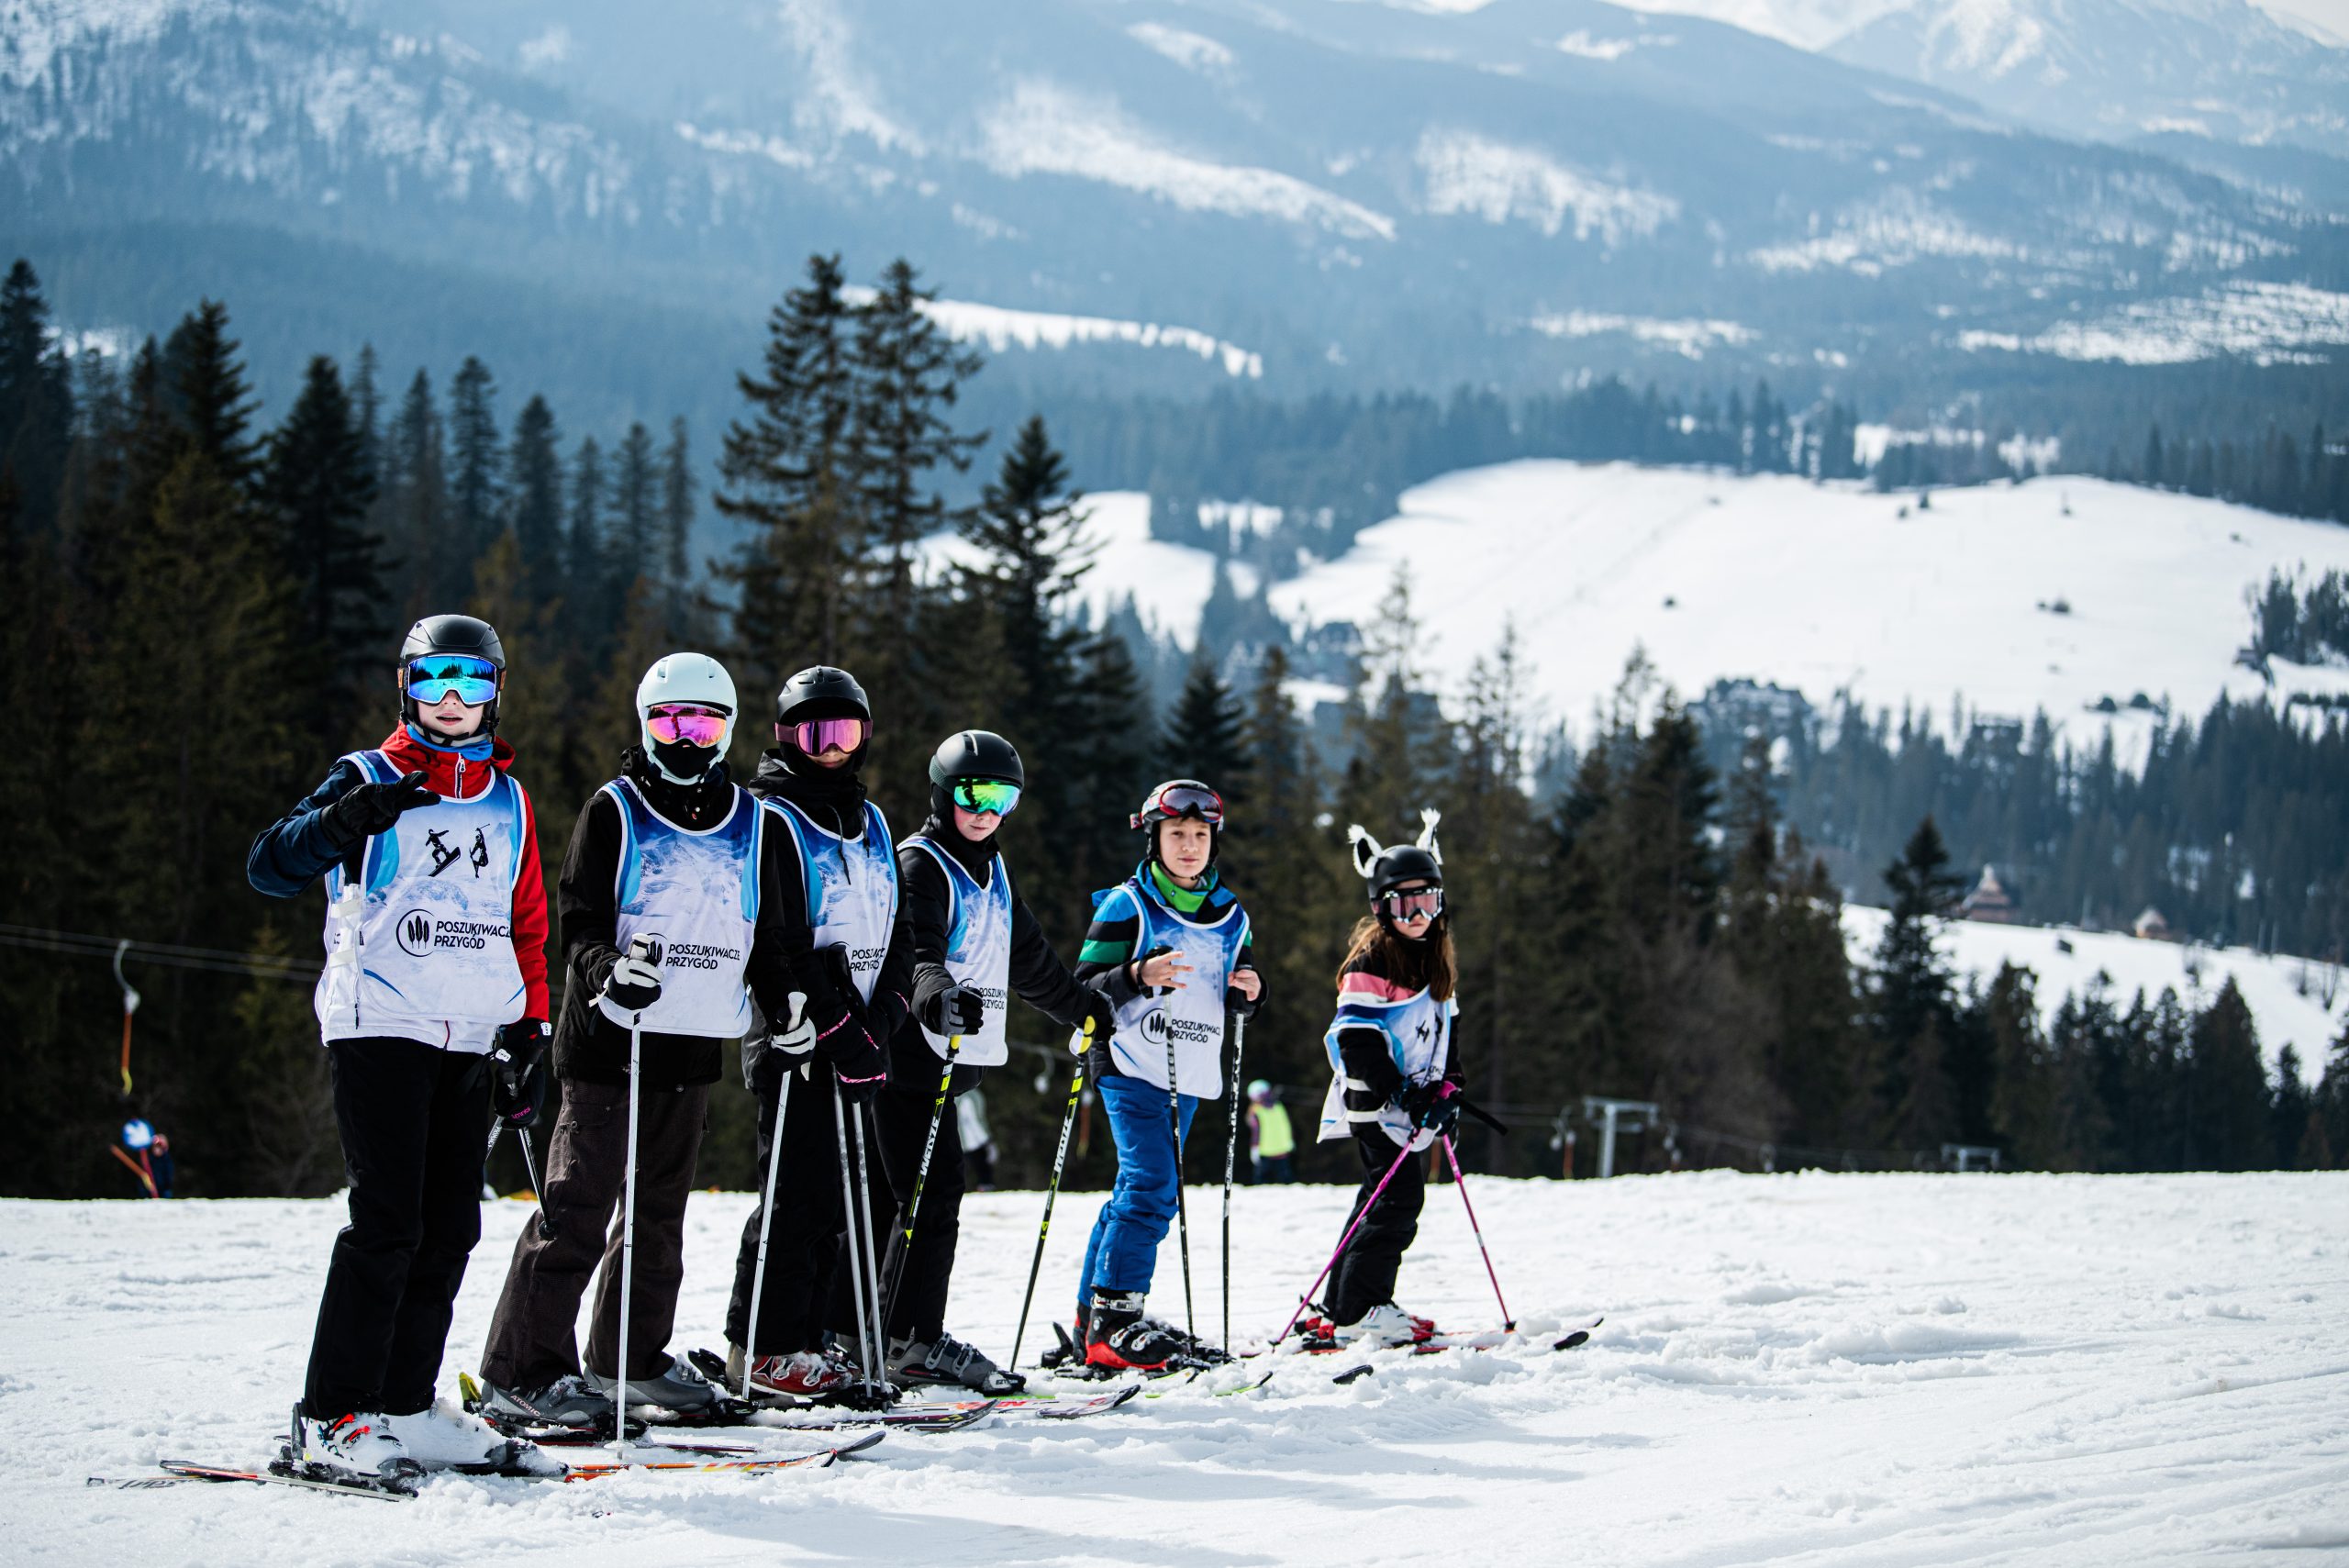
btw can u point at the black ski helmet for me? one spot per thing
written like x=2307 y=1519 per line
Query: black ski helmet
x=1177 y=798
x=452 y=634
x=975 y=754
x=970 y=754
x=821 y=687
x=1404 y=862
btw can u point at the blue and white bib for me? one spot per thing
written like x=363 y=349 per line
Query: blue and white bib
x=1192 y=1017
x=1418 y=1037
x=420 y=944
x=852 y=887
x=697 y=894
x=978 y=951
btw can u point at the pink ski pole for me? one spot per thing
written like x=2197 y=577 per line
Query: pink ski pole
x=1508 y=1324
x=1375 y=1195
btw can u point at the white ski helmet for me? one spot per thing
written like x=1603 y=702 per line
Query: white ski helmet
x=685 y=678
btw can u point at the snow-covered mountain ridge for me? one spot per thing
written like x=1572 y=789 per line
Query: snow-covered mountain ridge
x=2061 y=592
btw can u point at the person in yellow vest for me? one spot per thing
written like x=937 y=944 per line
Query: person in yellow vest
x=1271 y=1144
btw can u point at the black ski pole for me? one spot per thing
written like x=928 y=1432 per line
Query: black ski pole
x=1230 y=1147
x=530 y=1163
x=852 y=1200
x=1182 y=1209
x=905 y=1239
x=1052 y=1193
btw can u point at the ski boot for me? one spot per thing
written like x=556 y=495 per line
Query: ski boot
x=801 y=1374
x=357 y=1449
x=947 y=1360
x=1119 y=1339
x=680 y=1388
x=1385 y=1324
x=442 y=1437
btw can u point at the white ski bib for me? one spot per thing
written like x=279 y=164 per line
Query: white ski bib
x=852 y=887
x=978 y=953
x=697 y=894
x=1418 y=1037
x=1192 y=1017
x=421 y=945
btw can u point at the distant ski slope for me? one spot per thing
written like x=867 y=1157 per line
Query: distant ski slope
x=2272 y=986
x=1826 y=588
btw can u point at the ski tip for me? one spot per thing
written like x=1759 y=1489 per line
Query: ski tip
x=860 y=1444
x=1355 y=1374
x=1580 y=1337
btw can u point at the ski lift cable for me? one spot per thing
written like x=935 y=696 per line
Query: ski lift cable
x=208 y=960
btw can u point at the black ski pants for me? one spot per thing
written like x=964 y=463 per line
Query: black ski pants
x=414 y=1118
x=1365 y=1274
x=804 y=1242
x=533 y=1334
x=901 y=1122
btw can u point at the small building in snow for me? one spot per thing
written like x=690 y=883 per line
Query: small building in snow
x=2151 y=927
x=1988 y=901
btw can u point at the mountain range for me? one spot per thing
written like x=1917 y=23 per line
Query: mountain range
x=1307 y=194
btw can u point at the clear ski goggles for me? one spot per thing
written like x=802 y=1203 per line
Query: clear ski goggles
x=981 y=795
x=685 y=723
x=434 y=678
x=1411 y=904
x=1169 y=801
x=817 y=736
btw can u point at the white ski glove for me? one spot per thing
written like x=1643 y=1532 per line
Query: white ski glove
x=633 y=985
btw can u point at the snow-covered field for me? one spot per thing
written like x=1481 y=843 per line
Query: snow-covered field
x=1829 y=587
x=2288 y=995
x=1795 y=1369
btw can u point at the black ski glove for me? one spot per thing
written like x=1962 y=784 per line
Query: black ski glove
x=860 y=1090
x=1430 y=1106
x=372 y=808
x=957 y=1010
x=519 y=1091
x=1239 y=1002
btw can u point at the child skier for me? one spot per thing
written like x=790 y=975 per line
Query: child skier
x=1169 y=946
x=834 y=886
x=436 y=940
x=669 y=851
x=1394 y=1054
x=974 y=943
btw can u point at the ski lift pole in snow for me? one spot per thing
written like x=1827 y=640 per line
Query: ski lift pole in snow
x=130 y=1005
x=1615 y=1116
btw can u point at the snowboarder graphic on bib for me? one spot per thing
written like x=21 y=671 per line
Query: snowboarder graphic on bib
x=1170 y=946
x=1395 y=1073
x=835 y=887
x=974 y=945
x=431 y=962
x=670 y=858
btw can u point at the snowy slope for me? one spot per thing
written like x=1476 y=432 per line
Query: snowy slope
x=2271 y=985
x=1827 y=588
x=1813 y=1369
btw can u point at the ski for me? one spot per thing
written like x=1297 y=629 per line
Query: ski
x=1442 y=1343
x=757 y=1465
x=182 y=1471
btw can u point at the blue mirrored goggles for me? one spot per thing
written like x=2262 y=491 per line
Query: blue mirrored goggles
x=472 y=681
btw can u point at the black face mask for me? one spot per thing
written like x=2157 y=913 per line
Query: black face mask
x=684 y=763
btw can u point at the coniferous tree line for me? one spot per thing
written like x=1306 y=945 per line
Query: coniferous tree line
x=209 y=611
x=2272 y=469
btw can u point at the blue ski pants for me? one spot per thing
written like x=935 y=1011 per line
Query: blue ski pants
x=1123 y=1250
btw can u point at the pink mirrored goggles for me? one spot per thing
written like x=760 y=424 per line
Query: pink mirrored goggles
x=688 y=723
x=817 y=736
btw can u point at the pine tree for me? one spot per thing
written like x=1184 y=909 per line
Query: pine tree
x=677 y=528
x=35 y=401
x=1913 y=1017
x=1203 y=739
x=2227 y=1128
x=588 y=567
x=315 y=479
x=794 y=474
x=416 y=491
x=476 y=490
x=535 y=465
x=210 y=400
x=636 y=501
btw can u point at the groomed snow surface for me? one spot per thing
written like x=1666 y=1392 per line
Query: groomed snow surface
x=1796 y=1369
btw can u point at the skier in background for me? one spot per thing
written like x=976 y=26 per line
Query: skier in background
x=1393 y=1053
x=1271 y=1141
x=435 y=939
x=978 y=1142
x=1169 y=946
x=149 y=1157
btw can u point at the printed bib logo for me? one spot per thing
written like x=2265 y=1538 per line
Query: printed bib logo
x=1154 y=1025
x=421 y=935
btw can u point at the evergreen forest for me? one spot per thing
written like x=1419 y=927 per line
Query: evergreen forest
x=202 y=610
